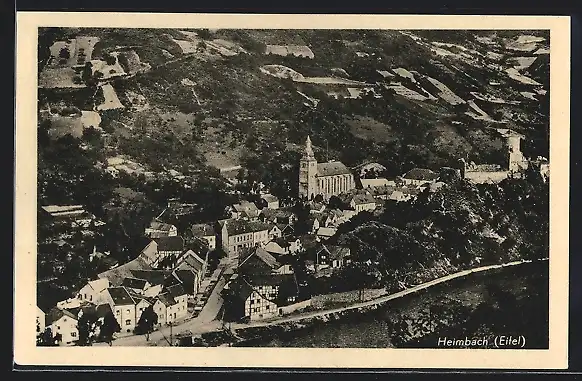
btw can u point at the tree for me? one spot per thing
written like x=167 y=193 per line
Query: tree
x=86 y=327
x=65 y=53
x=109 y=328
x=45 y=338
x=147 y=322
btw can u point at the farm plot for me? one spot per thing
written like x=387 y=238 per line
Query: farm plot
x=517 y=76
x=445 y=93
x=111 y=100
x=108 y=71
x=220 y=149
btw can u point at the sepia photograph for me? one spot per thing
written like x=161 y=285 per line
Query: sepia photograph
x=270 y=187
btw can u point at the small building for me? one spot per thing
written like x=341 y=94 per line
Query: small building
x=360 y=201
x=93 y=291
x=170 y=247
x=331 y=256
x=326 y=233
x=245 y=210
x=159 y=229
x=123 y=307
x=259 y=261
x=375 y=183
x=171 y=305
x=238 y=234
x=139 y=286
x=206 y=232
x=419 y=176
x=277 y=216
x=190 y=271
x=271 y=201
x=63 y=323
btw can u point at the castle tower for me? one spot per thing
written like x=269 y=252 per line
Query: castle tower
x=307 y=173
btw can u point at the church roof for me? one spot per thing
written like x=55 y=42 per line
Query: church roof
x=332 y=168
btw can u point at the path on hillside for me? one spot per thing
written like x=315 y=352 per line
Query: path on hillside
x=379 y=300
x=205 y=322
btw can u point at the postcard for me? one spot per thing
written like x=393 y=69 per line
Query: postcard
x=291 y=191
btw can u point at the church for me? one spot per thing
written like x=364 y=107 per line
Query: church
x=325 y=179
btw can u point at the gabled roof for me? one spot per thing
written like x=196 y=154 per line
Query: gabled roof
x=117 y=274
x=420 y=174
x=99 y=284
x=176 y=290
x=362 y=198
x=274 y=247
x=150 y=252
x=166 y=299
x=170 y=243
x=326 y=232
x=332 y=168
x=262 y=255
x=161 y=226
x=202 y=230
x=120 y=296
x=102 y=310
x=190 y=261
x=138 y=284
x=269 y=198
x=154 y=277
x=185 y=277
x=55 y=314
x=236 y=227
x=335 y=252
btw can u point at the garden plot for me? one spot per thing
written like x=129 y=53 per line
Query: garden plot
x=488 y=98
x=220 y=150
x=90 y=119
x=131 y=62
x=524 y=43
x=188 y=46
x=404 y=73
x=111 y=99
x=529 y=95
x=84 y=51
x=406 y=92
x=280 y=71
x=542 y=51
x=478 y=113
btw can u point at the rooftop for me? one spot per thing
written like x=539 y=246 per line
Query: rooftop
x=138 y=284
x=235 y=227
x=332 y=168
x=202 y=230
x=261 y=254
x=56 y=313
x=120 y=296
x=117 y=274
x=170 y=243
x=421 y=174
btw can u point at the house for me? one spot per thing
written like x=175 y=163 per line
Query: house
x=264 y=294
x=326 y=233
x=370 y=168
x=419 y=176
x=40 y=319
x=331 y=256
x=313 y=224
x=316 y=207
x=259 y=261
x=375 y=183
x=169 y=247
x=238 y=234
x=275 y=232
x=276 y=249
x=159 y=229
x=271 y=201
x=136 y=285
x=382 y=192
x=278 y=216
x=119 y=273
x=245 y=210
x=190 y=271
x=206 y=232
x=171 y=305
x=123 y=306
x=63 y=323
x=362 y=201
x=404 y=194
x=141 y=305
x=93 y=291
x=150 y=254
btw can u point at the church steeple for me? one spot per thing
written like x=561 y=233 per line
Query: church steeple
x=308 y=154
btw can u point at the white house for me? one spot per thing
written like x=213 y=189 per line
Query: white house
x=419 y=176
x=93 y=291
x=271 y=201
x=123 y=307
x=64 y=323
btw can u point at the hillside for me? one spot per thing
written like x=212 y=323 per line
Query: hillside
x=417 y=98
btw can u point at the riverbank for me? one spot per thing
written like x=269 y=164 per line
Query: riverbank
x=256 y=332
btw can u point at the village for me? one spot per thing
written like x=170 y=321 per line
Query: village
x=258 y=264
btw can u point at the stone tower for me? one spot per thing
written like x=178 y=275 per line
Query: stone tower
x=516 y=160
x=307 y=173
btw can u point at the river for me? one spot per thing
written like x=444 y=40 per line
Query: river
x=527 y=283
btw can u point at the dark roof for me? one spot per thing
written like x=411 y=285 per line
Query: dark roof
x=161 y=226
x=243 y=290
x=363 y=198
x=170 y=243
x=201 y=230
x=135 y=283
x=236 y=227
x=199 y=246
x=421 y=174
x=154 y=277
x=176 y=290
x=167 y=299
x=120 y=296
x=190 y=261
x=185 y=277
x=332 y=168
x=262 y=255
x=269 y=198
x=117 y=274
x=335 y=252
x=55 y=314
